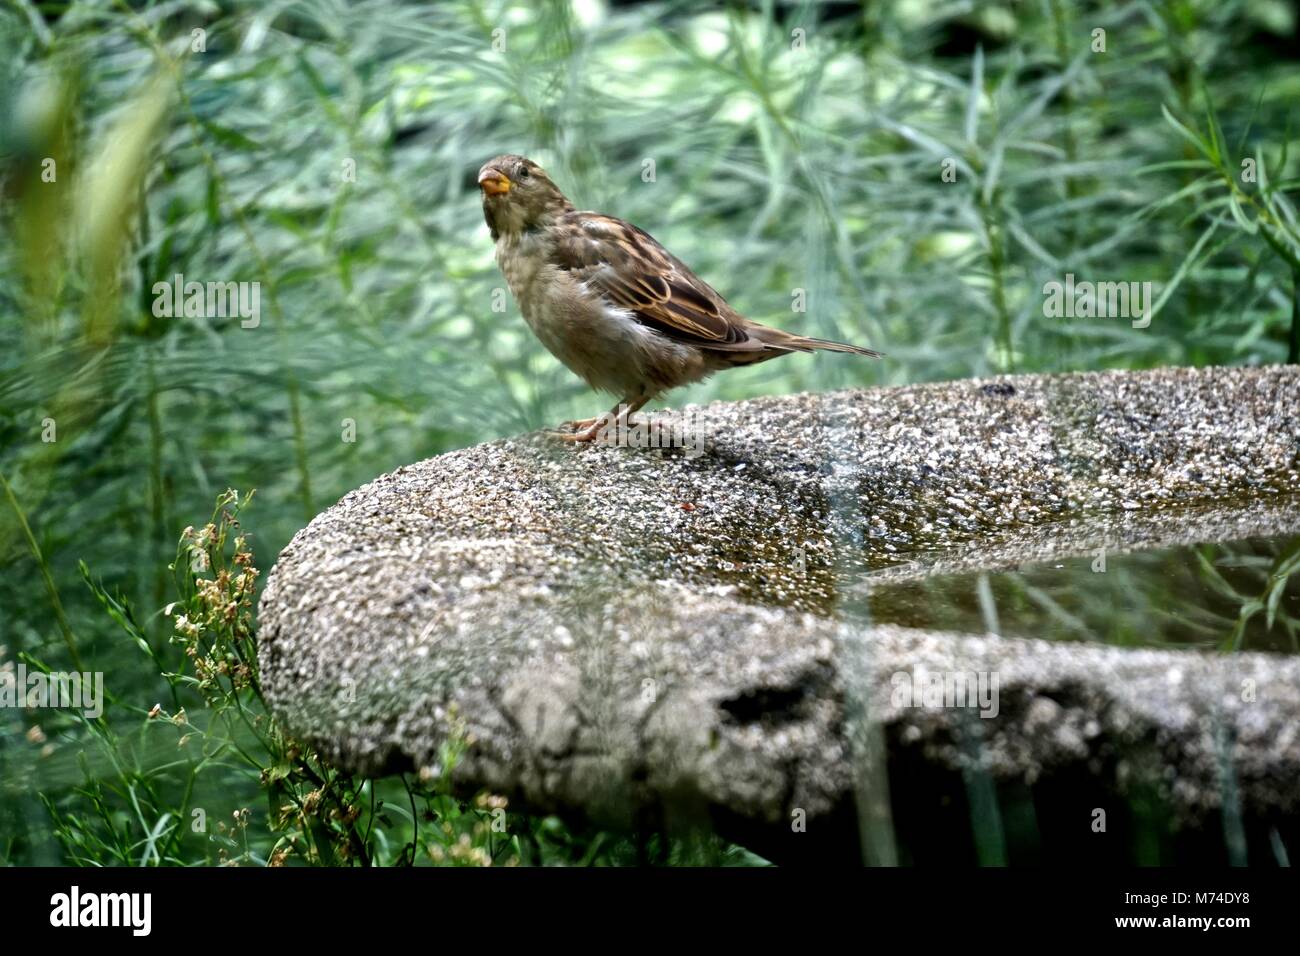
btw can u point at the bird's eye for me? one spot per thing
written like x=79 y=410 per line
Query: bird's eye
x=523 y=173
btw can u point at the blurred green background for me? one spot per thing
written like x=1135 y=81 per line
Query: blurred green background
x=327 y=151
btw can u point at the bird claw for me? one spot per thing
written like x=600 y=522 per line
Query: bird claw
x=587 y=430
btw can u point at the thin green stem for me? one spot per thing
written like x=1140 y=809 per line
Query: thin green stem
x=50 y=587
x=1293 y=351
x=997 y=269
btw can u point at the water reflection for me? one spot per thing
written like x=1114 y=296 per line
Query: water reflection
x=1237 y=595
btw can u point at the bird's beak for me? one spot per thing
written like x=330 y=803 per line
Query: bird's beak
x=493 y=182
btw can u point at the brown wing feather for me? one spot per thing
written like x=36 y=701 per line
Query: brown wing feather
x=636 y=273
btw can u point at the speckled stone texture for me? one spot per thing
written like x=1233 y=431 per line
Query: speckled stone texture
x=642 y=637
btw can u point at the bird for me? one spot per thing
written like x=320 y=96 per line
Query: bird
x=612 y=304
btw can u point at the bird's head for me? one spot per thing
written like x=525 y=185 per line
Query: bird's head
x=518 y=196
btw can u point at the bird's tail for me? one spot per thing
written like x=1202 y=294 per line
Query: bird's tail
x=807 y=343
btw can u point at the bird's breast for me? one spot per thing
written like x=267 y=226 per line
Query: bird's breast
x=520 y=266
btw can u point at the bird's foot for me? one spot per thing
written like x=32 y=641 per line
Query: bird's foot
x=587 y=430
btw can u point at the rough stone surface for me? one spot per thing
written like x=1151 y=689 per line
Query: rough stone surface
x=640 y=635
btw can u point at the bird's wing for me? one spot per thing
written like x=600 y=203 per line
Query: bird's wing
x=634 y=272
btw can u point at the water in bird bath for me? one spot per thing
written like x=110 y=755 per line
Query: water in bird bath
x=1220 y=575
x=1202 y=595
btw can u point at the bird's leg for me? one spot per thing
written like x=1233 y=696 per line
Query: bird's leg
x=589 y=430
x=628 y=407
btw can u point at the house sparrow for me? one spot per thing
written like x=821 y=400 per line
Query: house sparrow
x=610 y=302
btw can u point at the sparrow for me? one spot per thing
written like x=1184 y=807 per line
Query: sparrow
x=611 y=303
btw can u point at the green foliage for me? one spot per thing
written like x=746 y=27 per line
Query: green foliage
x=153 y=781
